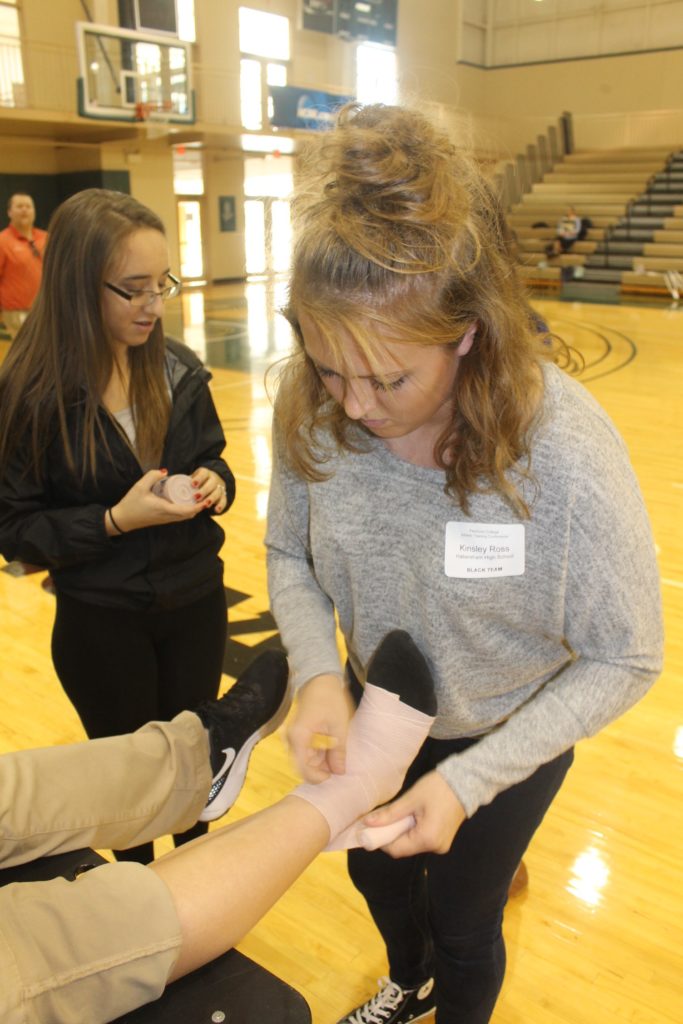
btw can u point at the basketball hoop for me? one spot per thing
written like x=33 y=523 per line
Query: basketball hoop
x=145 y=111
x=155 y=117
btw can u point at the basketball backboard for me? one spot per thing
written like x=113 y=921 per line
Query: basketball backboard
x=124 y=73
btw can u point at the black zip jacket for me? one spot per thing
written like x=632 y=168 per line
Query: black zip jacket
x=59 y=523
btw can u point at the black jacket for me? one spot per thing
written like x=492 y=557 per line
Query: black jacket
x=59 y=523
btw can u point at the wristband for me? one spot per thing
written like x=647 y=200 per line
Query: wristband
x=114 y=523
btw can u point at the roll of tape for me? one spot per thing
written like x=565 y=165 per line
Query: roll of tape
x=177 y=489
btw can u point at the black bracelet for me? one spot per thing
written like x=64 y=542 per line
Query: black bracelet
x=114 y=523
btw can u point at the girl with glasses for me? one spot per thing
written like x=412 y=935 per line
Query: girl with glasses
x=97 y=407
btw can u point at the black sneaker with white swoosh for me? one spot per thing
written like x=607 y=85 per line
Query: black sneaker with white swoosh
x=252 y=708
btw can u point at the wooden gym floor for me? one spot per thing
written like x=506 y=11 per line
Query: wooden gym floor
x=598 y=935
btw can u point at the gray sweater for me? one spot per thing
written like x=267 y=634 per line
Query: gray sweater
x=537 y=636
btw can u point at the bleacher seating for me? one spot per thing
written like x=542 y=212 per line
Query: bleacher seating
x=634 y=199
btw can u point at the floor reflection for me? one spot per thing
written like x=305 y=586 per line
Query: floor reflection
x=234 y=326
x=589 y=876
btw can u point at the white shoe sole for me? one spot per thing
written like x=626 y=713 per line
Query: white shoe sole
x=227 y=796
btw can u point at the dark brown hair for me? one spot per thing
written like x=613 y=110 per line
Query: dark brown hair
x=61 y=359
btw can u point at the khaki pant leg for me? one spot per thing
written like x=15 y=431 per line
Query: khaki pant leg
x=88 y=950
x=108 y=793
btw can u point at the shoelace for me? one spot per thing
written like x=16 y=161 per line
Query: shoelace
x=380 y=1007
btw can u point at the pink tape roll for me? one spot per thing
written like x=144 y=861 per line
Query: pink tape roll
x=382 y=835
x=177 y=489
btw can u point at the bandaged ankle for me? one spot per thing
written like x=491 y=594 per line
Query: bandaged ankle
x=384 y=737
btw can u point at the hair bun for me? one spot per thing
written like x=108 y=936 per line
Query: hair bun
x=392 y=192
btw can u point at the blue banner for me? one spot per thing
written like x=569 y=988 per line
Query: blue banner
x=304 y=108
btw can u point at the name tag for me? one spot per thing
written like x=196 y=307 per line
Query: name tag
x=480 y=550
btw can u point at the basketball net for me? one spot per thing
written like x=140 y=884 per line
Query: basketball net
x=154 y=116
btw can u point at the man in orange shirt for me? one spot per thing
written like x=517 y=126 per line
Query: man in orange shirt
x=21 y=261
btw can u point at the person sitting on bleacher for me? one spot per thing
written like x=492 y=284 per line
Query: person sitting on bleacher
x=568 y=231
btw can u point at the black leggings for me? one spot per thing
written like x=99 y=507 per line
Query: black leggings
x=441 y=915
x=121 y=669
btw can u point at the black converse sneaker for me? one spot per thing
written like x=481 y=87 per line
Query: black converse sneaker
x=394 y=1005
x=253 y=708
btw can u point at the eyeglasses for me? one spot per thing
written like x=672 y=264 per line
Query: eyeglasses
x=34 y=249
x=146 y=296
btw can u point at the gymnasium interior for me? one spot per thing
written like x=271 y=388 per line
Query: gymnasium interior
x=198 y=108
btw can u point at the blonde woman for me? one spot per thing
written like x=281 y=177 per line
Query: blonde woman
x=435 y=471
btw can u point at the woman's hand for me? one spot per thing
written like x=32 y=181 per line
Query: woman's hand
x=140 y=507
x=211 y=489
x=438 y=815
x=317 y=734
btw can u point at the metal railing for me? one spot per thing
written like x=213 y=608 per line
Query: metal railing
x=514 y=178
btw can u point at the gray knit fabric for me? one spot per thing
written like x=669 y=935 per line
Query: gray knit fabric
x=535 y=661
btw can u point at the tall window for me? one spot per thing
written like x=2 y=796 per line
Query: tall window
x=12 y=86
x=376 y=80
x=264 y=44
x=186 y=22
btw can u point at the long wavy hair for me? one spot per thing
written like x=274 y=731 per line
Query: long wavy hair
x=398 y=234
x=58 y=366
